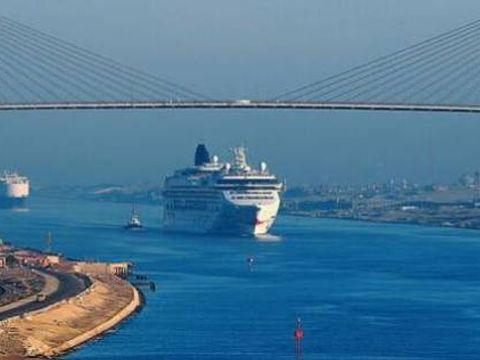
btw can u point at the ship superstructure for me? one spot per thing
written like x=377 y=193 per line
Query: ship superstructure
x=217 y=197
x=14 y=190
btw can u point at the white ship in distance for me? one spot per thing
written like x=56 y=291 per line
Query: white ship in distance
x=14 y=190
x=221 y=197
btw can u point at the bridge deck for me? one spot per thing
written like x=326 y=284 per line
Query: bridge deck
x=238 y=104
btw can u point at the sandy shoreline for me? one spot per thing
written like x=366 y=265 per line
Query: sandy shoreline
x=64 y=326
x=114 y=321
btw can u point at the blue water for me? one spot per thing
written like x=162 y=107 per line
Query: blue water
x=363 y=291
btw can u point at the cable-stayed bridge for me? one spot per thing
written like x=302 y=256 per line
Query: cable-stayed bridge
x=42 y=72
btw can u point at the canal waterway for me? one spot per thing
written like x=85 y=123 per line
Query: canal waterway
x=363 y=291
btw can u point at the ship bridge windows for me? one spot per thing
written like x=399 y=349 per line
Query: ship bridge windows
x=248 y=188
x=247 y=182
x=244 y=191
x=252 y=197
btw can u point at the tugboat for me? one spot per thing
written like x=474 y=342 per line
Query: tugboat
x=134 y=222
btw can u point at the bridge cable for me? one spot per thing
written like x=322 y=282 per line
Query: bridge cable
x=408 y=71
x=425 y=46
x=107 y=63
x=375 y=73
x=110 y=80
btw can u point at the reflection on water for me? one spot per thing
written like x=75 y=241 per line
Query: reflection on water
x=18 y=210
x=363 y=291
x=268 y=238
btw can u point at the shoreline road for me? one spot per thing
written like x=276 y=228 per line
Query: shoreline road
x=59 y=286
x=68 y=324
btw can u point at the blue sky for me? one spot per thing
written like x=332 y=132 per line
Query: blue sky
x=241 y=49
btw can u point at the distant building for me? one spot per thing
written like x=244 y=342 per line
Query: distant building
x=4 y=246
x=30 y=258
x=467 y=180
x=53 y=259
x=121 y=269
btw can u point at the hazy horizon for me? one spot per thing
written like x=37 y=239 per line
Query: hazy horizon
x=247 y=49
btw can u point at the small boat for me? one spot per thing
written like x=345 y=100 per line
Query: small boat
x=134 y=222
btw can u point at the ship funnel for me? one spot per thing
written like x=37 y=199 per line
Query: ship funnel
x=202 y=156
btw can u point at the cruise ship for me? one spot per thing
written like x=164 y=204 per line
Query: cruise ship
x=14 y=190
x=221 y=197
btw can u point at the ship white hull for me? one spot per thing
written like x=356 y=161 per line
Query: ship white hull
x=229 y=219
x=14 y=190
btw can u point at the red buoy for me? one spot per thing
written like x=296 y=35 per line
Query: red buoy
x=299 y=334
